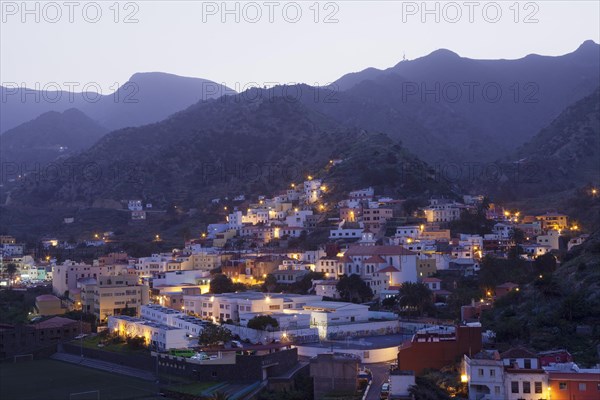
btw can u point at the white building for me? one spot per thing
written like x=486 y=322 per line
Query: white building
x=285 y=321
x=504 y=231
x=157 y=313
x=134 y=205
x=366 y=193
x=443 y=212
x=326 y=288
x=576 y=241
x=513 y=375
x=312 y=190
x=156 y=335
x=172 y=278
x=409 y=231
x=297 y=218
x=229 y=305
x=404 y=261
x=485 y=375
x=65 y=275
x=551 y=239
x=235 y=220
x=173 y=318
x=343 y=232
x=400 y=383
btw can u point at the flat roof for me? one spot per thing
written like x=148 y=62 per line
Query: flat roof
x=333 y=305
x=142 y=321
x=365 y=343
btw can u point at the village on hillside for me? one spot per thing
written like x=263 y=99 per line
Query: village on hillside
x=246 y=302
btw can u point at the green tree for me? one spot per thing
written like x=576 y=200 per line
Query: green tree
x=472 y=222
x=305 y=284
x=352 y=288
x=545 y=264
x=11 y=270
x=263 y=323
x=136 y=342
x=270 y=283
x=425 y=389
x=213 y=334
x=415 y=296
x=518 y=238
x=221 y=284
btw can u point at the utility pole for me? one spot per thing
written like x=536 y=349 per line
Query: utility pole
x=81 y=332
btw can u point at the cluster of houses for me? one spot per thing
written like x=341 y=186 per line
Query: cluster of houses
x=371 y=236
x=287 y=215
x=165 y=297
x=522 y=374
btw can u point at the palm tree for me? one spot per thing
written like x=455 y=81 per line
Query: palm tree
x=415 y=295
x=11 y=270
x=219 y=396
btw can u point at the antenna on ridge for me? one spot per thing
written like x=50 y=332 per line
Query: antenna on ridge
x=404 y=56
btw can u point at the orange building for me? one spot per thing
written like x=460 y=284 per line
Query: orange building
x=574 y=385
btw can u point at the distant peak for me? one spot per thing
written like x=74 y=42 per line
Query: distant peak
x=443 y=53
x=145 y=75
x=588 y=45
x=73 y=111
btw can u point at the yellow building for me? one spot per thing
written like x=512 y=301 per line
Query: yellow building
x=114 y=295
x=5 y=239
x=48 y=304
x=553 y=221
x=222 y=238
x=426 y=267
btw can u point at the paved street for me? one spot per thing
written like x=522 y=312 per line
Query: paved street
x=380 y=375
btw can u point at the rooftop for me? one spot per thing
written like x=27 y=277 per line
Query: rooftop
x=385 y=250
x=518 y=352
x=142 y=321
x=54 y=322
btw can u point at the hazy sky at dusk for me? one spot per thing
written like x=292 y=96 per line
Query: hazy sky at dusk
x=189 y=38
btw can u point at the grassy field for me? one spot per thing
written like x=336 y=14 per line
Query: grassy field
x=92 y=343
x=192 y=388
x=55 y=380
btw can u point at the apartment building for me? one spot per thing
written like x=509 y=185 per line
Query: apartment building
x=113 y=295
x=66 y=275
x=229 y=305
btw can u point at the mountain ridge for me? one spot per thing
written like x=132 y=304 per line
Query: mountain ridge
x=48 y=137
x=146 y=97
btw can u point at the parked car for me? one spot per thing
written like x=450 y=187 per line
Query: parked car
x=364 y=375
x=385 y=391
